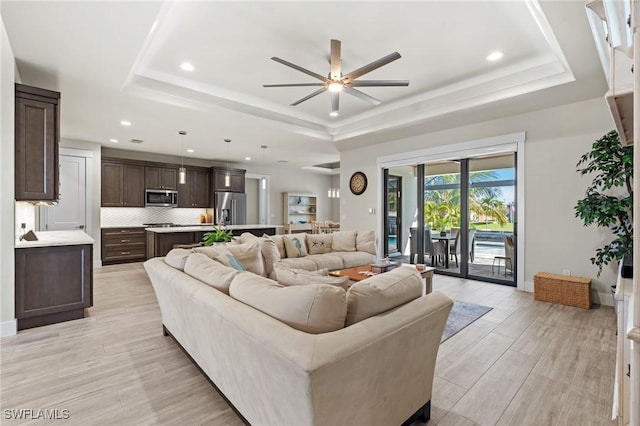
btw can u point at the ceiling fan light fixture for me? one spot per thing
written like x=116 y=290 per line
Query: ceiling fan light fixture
x=336 y=86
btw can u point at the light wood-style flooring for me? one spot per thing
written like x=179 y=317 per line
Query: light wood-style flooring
x=524 y=363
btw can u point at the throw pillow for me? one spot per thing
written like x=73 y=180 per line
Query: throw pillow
x=209 y=271
x=246 y=237
x=270 y=254
x=343 y=241
x=279 y=240
x=319 y=243
x=295 y=245
x=382 y=292
x=176 y=258
x=366 y=241
x=239 y=256
x=289 y=277
x=319 y=308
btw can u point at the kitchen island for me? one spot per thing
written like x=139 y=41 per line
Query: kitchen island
x=161 y=240
x=54 y=278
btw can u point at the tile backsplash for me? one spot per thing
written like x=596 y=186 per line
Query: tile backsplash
x=25 y=213
x=131 y=216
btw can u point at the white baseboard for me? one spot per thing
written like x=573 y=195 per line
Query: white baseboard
x=528 y=286
x=8 y=328
x=97 y=264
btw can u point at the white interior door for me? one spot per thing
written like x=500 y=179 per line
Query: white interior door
x=70 y=212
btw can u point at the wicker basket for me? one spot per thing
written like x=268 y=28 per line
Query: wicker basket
x=563 y=289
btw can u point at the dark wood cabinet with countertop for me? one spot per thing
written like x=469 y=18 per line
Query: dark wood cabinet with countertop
x=161 y=178
x=195 y=193
x=122 y=245
x=37 y=132
x=122 y=184
x=53 y=284
x=236 y=179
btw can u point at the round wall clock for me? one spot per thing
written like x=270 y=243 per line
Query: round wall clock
x=358 y=183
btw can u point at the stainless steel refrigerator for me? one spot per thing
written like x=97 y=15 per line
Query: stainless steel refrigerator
x=231 y=208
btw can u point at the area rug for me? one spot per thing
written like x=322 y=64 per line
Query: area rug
x=462 y=314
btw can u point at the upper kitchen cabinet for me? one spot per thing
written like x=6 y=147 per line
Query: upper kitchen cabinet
x=228 y=180
x=195 y=193
x=161 y=178
x=122 y=184
x=37 y=132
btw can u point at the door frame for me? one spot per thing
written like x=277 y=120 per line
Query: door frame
x=501 y=144
x=88 y=184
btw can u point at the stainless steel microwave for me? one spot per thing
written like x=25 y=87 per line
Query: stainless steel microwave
x=160 y=198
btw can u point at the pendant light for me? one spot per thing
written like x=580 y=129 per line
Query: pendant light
x=227 y=175
x=182 y=172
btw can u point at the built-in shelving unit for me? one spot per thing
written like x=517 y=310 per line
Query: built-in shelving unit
x=299 y=211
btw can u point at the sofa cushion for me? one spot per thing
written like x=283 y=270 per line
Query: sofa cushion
x=295 y=245
x=319 y=243
x=299 y=263
x=209 y=271
x=366 y=241
x=357 y=258
x=249 y=255
x=176 y=258
x=343 y=241
x=318 y=308
x=320 y=272
x=288 y=276
x=382 y=292
x=279 y=240
x=330 y=261
x=246 y=237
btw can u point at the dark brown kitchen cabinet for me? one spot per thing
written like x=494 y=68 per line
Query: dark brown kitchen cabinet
x=195 y=193
x=122 y=245
x=37 y=132
x=52 y=284
x=161 y=178
x=122 y=185
x=236 y=179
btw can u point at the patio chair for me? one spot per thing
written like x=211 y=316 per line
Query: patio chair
x=435 y=250
x=457 y=249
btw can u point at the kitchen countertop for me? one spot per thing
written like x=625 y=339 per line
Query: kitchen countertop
x=195 y=228
x=56 y=238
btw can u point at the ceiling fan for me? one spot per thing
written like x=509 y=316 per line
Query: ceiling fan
x=337 y=82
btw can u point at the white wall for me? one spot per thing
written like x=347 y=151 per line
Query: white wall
x=7 y=195
x=556 y=138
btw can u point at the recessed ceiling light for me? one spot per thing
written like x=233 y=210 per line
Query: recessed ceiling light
x=333 y=113
x=494 y=56
x=186 y=66
x=190 y=150
x=125 y=123
x=247 y=158
x=113 y=140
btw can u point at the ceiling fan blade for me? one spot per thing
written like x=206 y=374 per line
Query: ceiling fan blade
x=373 y=83
x=294 y=85
x=335 y=102
x=335 y=60
x=296 y=67
x=372 y=66
x=306 y=98
x=362 y=95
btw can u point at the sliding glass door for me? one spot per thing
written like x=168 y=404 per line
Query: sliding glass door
x=492 y=218
x=465 y=210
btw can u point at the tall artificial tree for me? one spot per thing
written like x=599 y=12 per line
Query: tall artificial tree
x=608 y=200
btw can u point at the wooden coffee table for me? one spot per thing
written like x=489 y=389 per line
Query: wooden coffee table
x=355 y=274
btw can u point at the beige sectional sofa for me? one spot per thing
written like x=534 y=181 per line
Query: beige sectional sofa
x=310 y=354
